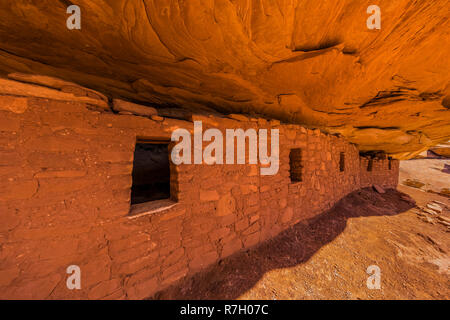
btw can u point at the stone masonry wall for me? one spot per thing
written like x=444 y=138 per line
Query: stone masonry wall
x=65 y=179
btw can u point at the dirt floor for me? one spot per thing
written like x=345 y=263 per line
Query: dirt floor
x=426 y=174
x=327 y=257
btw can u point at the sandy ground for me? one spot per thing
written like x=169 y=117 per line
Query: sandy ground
x=433 y=173
x=327 y=257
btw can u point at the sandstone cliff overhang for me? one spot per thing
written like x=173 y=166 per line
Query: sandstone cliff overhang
x=297 y=61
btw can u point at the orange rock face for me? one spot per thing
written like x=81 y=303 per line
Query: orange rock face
x=307 y=62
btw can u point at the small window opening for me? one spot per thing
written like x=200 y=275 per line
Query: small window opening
x=370 y=165
x=342 y=162
x=296 y=166
x=151 y=172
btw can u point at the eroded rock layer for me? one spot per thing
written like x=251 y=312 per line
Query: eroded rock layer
x=308 y=62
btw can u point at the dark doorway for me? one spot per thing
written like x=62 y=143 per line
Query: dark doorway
x=296 y=165
x=342 y=162
x=151 y=172
x=370 y=165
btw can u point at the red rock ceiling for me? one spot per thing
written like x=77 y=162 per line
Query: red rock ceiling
x=309 y=62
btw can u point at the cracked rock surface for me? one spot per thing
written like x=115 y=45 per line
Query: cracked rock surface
x=305 y=62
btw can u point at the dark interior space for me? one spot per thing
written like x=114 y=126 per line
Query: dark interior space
x=342 y=162
x=151 y=172
x=370 y=165
x=296 y=166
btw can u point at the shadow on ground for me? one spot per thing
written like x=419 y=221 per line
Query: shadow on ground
x=231 y=277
